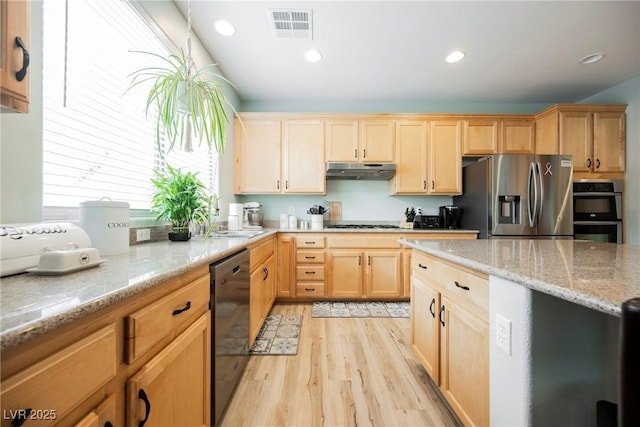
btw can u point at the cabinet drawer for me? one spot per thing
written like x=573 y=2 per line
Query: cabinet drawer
x=64 y=380
x=310 y=257
x=310 y=272
x=310 y=289
x=458 y=283
x=310 y=241
x=147 y=326
x=259 y=254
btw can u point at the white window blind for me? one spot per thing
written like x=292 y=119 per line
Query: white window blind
x=97 y=141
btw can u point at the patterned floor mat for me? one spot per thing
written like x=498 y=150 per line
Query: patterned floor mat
x=278 y=336
x=360 y=309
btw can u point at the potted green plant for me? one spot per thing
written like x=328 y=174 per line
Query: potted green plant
x=189 y=101
x=180 y=198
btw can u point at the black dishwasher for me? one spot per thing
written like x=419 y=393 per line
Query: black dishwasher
x=230 y=340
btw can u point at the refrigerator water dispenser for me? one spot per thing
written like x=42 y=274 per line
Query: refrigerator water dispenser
x=509 y=209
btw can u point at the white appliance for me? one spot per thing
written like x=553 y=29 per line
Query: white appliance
x=21 y=245
x=234 y=221
x=252 y=218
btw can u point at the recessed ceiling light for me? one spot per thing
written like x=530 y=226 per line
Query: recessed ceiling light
x=455 y=56
x=312 y=55
x=590 y=59
x=225 y=28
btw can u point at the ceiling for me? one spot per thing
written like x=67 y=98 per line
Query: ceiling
x=394 y=51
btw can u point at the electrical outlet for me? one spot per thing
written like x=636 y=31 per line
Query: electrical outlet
x=143 y=234
x=503 y=334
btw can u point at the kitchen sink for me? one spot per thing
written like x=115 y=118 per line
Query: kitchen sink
x=244 y=234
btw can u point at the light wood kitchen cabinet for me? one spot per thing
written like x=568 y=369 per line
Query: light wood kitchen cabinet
x=81 y=369
x=286 y=266
x=411 y=157
x=103 y=415
x=257 y=154
x=480 y=137
x=364 y=266
x=517 y=137
x=450 y=333
x=310 y=266
x=593 y=134
x=445 y=157
x=274 y=156
x=263 y=273
x=14 y=70
x=174 y=387
x=367 y=140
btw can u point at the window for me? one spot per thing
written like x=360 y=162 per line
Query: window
x=97 y=141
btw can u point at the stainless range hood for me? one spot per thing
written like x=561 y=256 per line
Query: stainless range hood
x=356 y=170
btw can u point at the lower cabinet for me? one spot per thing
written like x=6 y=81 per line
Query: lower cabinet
x=450 y=333
x=263 y=273
x=365 y=274
x=174 y=387
x=145 y=360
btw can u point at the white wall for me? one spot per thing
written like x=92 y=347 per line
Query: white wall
x=628 y=93
x=21 y=142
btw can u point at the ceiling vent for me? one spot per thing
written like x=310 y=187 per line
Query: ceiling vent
x=292 y=24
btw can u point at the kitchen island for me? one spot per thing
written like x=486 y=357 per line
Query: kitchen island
x=560 y=300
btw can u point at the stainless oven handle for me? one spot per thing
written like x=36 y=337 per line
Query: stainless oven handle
x=591 y=193
x=597 y=222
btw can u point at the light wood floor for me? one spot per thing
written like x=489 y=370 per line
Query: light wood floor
x=348 y=372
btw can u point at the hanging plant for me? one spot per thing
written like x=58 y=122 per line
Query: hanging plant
x=190 y=102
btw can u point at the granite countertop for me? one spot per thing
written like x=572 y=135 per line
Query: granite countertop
x=31 y=305
x=600 y=276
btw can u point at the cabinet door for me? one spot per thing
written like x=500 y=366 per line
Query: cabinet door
x=377 y=140
x=286 y=266
x=384 y=274
x=345 y=274
x=173 y=388
x=517 y=137
x=341 y=140
x=425 y=327
x=480 y=137
x=464 y=365
x=445 y=158
x=14 y=15
x=257 y=156
x=411 y=157
x=101 y=416
x=303 y=156
x=269 y=285
x=608 y=142
x=257 y=297
x=576 y=138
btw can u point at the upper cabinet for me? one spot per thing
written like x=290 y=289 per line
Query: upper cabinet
x=351 y=140
x=411 y=157
x=593 y=134
x=14 y=55
x=274 y=156
x=445 y=157
x=483 y=136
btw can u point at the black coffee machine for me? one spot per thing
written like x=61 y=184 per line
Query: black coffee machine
x=450 y=216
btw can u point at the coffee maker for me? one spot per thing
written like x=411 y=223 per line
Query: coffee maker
x=252 y=218
x=450 y=216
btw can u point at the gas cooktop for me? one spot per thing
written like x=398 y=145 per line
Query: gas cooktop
x=367 y=226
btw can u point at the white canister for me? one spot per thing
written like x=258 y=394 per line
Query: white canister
x=107 y=224
x=293 y=222
x=317 y=222
x=236 y=209
x=284 y=221
x=233 y=222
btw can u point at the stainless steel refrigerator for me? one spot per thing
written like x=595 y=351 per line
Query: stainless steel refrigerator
x=518 y=195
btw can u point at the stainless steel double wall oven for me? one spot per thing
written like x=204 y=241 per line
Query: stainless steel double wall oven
x=597 y=210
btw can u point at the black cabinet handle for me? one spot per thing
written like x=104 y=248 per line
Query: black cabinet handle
x=108 y=424
x=310 y=289
x=266 y=273
x=186 y=307
x=422 y=266
x=424 y=185
x=364 y=153
x=309 y=272
x=597 y=163
x=359 y=260
x=22 y=72
x=355 y=153
x=431 y=306
x=588 y=163
x=310 y=243
x=286 y=184
x=277 y=184
x=458 y=285
x=21 y=416
x=147 y=406
x=309 y=257
x=368 y=259
x=440 y=315
x=433 y=185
